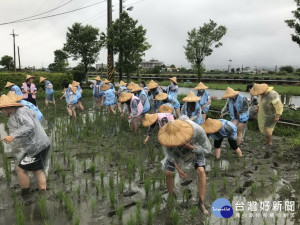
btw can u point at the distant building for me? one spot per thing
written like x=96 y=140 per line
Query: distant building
x=151 y=64
x=101 y=66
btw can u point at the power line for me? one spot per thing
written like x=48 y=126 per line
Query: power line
x=58 y=14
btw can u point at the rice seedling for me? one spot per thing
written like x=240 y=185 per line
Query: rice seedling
x=77 y=221
x=138 y=216
x=69 y=205
x=111 y=183
x=93 y=205
x=131 y=220
x=225 y=182
x=193 y=212
x=213 y=192
x=147 y=186
x=112 y=198
x=63 y=176
x=253 y=188
x=93 y=169
x=19 y=214
x=244 y=163
x=86 y=182
x=102 y=178
x=153 y=184
x=120 y=212
x=175 y=217
x=60 y=195
x=73 y=167
x=121 y=185
x=97 y=186
x=42 y=207
x=84 y=165
x=103 y=191
x=149 y=216
x=141 y=172
x=262 y=182
x=78 y=192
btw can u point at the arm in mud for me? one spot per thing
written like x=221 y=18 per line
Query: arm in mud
x=134 y=108
x=180 y=171
x=245 y=107
x=202 y=144
x=26 y=129
x=225 y=109
x=151 y=129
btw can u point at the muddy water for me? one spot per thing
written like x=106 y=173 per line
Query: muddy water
x=123 y=168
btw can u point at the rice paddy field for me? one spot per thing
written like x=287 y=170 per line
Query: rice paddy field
x=101 y=173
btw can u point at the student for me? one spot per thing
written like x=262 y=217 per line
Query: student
x=143 y=86
x=97 y=93
x=238 y=108
x=111 y=86
x=14 y=88
x=71 y=100
x=152 y=120
x=191 y=108
x=164 y=98
x=79 y=95
x=220 y=129
x=185 y=142
x=135 y=109
x=122 y=87
x=29 y=90
x=153 y=90
x=269 y=109
x=253 y=103
x=172 y=89
x=139 y=92
x=26 y=131
x=205 y=99
x=49 y=91
x=32 y=107
x=109 y=97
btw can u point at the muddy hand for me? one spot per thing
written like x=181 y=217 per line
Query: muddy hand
x=8 y=139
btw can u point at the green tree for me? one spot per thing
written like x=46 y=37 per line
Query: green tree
x=200 y=44
x=288 y=69
x=83 y=42
x=7 y=62
x=295 y=23
x=129 y=41
x=60 y=61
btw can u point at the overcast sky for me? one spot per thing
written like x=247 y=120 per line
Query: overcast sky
x=256 y=35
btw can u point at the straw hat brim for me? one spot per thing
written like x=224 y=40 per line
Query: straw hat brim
x=211 y=126
x=175 y=133
x=29 y=76
x=200 y=87
x=191 y=99
x=259 y=89
x=122 y=83
x=149 y=119
x=161 y=96
x=124 y=97
x=136 y=89
x=173 y=79
x=230 y=95
x=14 y=96
x=152 y=85
x=104 y=87
x=98 y=78
x=42 y=79
x=165 y=109
x=13 y=104
x=8 y=84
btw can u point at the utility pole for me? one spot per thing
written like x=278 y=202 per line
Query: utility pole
x=19 y=58
x=110 y=55
x=14 y=36
x=121 y=51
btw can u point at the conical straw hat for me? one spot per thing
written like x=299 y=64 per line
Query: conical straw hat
x=230 y=93
x=136 y=88
x=14 y=97
x=174 y=79
x=6 y=101
x=211 y=126
x=75 y=83
x=175 y=133
x=165 y=109
x=106 y=81
x=97 y=78
x=8 y=84
x=105 y=87
x=191 y=97
x=73 y=89
x=122 y=83
x=149 y=119
x=131 y=85
x=124 y=97
x=259 y=89
x=200 y=86
x=29 y=76
x=161 y=96
x=42 y=79
x=152 y=84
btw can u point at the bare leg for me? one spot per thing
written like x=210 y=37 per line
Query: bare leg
x=218 y=153
x=202 y=188
x=80 y=106
x=74 y=113
x=169 y=182
x=112 y=108
x=204 y=117
x=269 y=133
x=69 y=111
x=135 y=125
x=239 y=152
x=119 y=107
x=240 y=130
x=178 y=112
x=46 y=103
x=23 y=178
x=40 y=179
x=235 y=122
x=54 y=103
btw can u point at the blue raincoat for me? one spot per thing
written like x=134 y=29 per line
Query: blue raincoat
x=33 y=108
x=110 y=97
x=17 y=90
x=205 y=97
x=197 y=113
x=228 y=130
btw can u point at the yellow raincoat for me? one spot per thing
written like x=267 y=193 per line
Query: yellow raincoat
x=269 y=105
